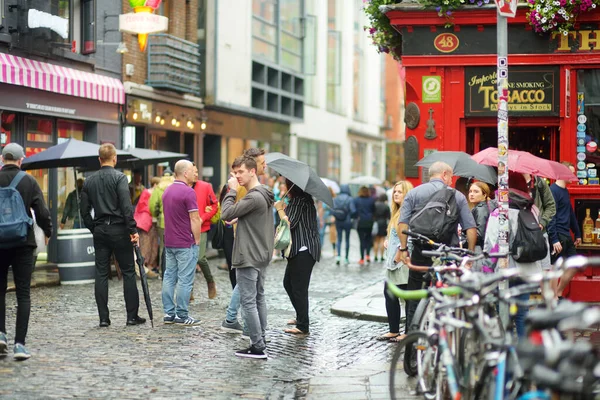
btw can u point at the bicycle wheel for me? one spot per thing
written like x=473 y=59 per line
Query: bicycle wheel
x=413 y=339
x=420 y=321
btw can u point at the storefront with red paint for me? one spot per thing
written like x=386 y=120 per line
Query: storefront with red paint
x=554 y=97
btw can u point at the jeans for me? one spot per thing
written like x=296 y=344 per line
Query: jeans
x=234 y=305
x=519 y=318
x=228 y=250
x=21 y=259
x=181 y=266
x=109 y=239
x=343 y=228
x=296 y=281
x=251 y=283
x=202 y=261
x=393 y=309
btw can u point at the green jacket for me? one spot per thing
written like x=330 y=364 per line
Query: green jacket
x=156 y=204
x=544 y=201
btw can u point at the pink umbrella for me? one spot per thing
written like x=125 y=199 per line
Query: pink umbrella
x=526 y=163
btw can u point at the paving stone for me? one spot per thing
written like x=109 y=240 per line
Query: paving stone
x=73 y=358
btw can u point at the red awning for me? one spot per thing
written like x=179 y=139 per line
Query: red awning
x=54 y=78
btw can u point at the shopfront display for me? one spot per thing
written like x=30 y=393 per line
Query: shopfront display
x=554 y=98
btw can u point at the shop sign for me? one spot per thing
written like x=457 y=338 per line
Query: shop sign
x=532 y=91
x=143 y=23
x=142 y=111
x=432 y=89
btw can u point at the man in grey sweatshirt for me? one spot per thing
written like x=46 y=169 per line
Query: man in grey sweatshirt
x=252 y=248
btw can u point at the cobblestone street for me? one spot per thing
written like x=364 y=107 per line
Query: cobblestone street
x=73 y=358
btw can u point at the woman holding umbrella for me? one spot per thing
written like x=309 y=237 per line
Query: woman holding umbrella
x=305 y=251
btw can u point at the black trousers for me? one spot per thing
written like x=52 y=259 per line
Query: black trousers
x=109 y=239
x=417 y=280
x=228 y=250
x=21 y=259
x=296 y=281
x=366 y=240
x=393 y=309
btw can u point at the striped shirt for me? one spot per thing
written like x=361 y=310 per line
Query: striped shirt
x=302 y=214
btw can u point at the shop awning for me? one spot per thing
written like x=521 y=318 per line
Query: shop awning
x=54 y=78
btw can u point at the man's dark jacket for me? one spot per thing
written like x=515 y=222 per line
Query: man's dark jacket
x=32 y=198
x=107 y=192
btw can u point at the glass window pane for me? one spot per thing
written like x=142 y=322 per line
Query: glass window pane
x=291 y=61
x=264 y=50
x=7 y=127
x=62 y=9
x=265 y=31
x=359 y=153
x=376 y=163
x=310 y=45
x=39 y=130
x=291 y=43
x=88 y=26
x=291 y=14
x=264 y=9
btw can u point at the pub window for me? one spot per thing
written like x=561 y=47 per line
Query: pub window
x=588 y=104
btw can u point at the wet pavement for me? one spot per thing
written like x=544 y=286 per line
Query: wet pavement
x=73 y=358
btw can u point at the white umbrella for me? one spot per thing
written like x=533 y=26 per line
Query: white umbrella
x=365 y=181
x=331 y=184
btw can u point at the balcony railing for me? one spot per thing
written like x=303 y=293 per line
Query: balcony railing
x=173 y=64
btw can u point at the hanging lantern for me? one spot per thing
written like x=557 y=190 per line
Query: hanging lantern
x=143 y=21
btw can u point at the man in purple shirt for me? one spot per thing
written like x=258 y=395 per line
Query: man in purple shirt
x=182 y=235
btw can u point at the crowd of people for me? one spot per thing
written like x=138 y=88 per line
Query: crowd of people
x=170 y=222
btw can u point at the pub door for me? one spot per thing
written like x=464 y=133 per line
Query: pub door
x=541 y=141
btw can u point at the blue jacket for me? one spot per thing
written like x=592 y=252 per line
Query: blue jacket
x=344 y=200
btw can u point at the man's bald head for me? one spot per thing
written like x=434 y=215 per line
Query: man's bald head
x=184 y=171
x=441 y=170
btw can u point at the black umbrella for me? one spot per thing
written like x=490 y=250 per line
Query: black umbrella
x=140 y=262
x=143 y=157
x=301 y=174
x=462 y=165
x=70 y=153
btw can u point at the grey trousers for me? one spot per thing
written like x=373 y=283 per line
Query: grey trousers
x=251 y=283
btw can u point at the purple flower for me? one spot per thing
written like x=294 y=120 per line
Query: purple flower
x=448 y=12
x=438 y=8
x=479 y=3
x=372 y=30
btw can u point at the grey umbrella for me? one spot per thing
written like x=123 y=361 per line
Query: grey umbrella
x=462 y=165
x=301 y=174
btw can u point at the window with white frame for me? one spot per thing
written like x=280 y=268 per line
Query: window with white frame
x=310 y=53
x=334 y=56
x=308 y=152
x=358 y=83
x=359 y=158
x=376 y=160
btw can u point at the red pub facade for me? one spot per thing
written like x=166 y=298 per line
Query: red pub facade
x=554 y=97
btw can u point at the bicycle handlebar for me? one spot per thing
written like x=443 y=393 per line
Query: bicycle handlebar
x=421 y=293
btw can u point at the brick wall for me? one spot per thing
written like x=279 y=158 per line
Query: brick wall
x=183 y=21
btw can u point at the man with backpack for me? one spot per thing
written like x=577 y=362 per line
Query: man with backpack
x=19 y=194
x=432 y=209
x=343 y=211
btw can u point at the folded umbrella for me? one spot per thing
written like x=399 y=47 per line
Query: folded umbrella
x=144 y=279
x=526 y=163
x=462 y=165
x=301 y=175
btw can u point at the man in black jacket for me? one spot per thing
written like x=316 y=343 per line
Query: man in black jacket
x=114 y=230
x=20 y=257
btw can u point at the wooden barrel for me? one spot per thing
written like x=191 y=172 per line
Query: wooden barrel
x=75 y=256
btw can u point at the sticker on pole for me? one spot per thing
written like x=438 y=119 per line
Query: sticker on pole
x=507 y=8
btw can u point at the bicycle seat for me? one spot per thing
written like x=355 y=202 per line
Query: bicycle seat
x=543 y=318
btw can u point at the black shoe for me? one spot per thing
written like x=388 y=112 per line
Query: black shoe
x=104 y=323
x=251 y=352
x=136 y=321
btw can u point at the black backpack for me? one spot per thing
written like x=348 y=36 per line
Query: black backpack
x=341 y=211
x=529 y=244
x=438 y=219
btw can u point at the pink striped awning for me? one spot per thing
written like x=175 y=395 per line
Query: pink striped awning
x=54 y=78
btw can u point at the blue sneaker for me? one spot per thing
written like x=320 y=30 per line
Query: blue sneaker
x=20 y=352
x=3 y=345
x=169 y=319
